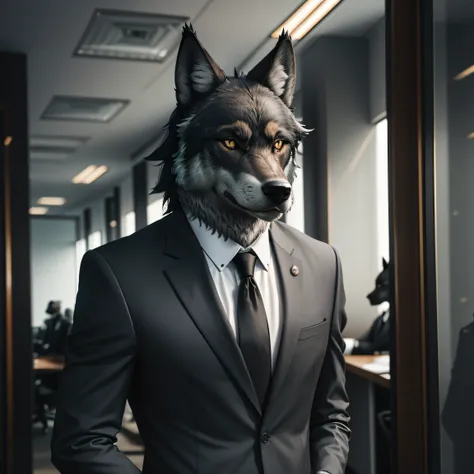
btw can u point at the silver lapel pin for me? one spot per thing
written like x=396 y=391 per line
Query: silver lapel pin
x=295 y=271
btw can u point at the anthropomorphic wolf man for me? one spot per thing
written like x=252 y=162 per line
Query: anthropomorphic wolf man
x=219 y=324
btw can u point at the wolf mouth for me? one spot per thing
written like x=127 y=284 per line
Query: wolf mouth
x=232 y=199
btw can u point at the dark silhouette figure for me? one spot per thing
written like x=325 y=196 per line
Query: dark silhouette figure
x=53 y=335
x=50 y=341
x=377 y=338
x=458 y=412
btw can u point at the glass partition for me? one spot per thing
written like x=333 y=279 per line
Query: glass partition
x=453 y=28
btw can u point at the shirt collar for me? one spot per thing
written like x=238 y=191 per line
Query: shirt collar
x=221 y=252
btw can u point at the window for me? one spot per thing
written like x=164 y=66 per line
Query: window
x=95 y=240
x=128 y=224
x=295 y=217
x=383 y=239
x=155 y=211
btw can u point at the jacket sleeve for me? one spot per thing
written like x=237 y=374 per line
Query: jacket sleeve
x=329 y=424
x=96 y=380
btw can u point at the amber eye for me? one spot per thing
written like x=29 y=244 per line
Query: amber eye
x=278 y=145
x=230 y=144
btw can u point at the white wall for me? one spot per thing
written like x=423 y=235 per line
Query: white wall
x=53 y=264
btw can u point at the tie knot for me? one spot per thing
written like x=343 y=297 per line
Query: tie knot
x=245 y=263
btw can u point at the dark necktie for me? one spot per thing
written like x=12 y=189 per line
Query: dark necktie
x=253 y=335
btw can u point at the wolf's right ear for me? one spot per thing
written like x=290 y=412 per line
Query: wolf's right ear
x=384 y=263
x=196 y=74
x=277 y=70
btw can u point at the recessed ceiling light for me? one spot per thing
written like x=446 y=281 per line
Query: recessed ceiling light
x=470 y=136
x=7 y=141
x=465 y=73
x=51 y=201
x=303 y=20
x=131 y=36
x=38 y=211
x=90 y=174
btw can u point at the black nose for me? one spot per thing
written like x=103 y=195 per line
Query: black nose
x=277 y=191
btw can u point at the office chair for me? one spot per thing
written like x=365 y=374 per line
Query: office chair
x=45 y=399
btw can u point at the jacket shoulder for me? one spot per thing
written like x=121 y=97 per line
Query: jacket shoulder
x=142 y=241
x=304 y=243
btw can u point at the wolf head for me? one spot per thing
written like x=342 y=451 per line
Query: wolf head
x=229 y=155
x=381 y=292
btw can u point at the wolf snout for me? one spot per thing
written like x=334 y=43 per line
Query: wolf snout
x=277 y=191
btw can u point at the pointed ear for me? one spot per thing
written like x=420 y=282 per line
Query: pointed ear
x=196 y=74
x=277 y=70
x=385 y=263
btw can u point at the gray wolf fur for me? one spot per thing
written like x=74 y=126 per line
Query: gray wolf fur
x=228 y=158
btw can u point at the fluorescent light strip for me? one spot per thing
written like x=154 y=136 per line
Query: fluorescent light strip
x=96 y=174
x=79 y=178
x=465 y=73
x=38 y=211
x=90 y=174
x=51 y=201
x=303 y=12
x=307 y=25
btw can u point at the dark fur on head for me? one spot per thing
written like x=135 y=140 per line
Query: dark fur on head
x=228 y=158
x=381 y=292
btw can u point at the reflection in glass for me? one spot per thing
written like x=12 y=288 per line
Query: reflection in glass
x=454 y=148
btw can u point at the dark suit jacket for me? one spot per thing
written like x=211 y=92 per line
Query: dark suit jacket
x=149 y=326
x=376 y=339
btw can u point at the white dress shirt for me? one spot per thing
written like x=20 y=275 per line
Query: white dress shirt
x=219 y=254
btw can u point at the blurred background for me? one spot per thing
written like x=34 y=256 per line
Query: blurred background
x=94 y=87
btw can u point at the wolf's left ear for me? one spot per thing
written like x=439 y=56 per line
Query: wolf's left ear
x=196 y=74
x=384 y=263
x=277 y=70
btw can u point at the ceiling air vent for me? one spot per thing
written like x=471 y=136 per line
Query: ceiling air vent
x=57 y=141
x=83 y=109
x=49 y=153
x=131 y=36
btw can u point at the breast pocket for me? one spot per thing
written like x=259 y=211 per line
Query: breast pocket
x=313 y=331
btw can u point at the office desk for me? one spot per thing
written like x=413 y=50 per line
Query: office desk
x=356 y=364
x=48 y=364
x=364 y=383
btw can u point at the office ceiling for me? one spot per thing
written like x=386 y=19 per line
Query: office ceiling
x=49 y=32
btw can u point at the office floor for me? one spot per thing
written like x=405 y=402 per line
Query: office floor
x=41 y=454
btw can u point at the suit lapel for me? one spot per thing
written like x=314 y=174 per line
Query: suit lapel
x=189 y=275
x=290 y=273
